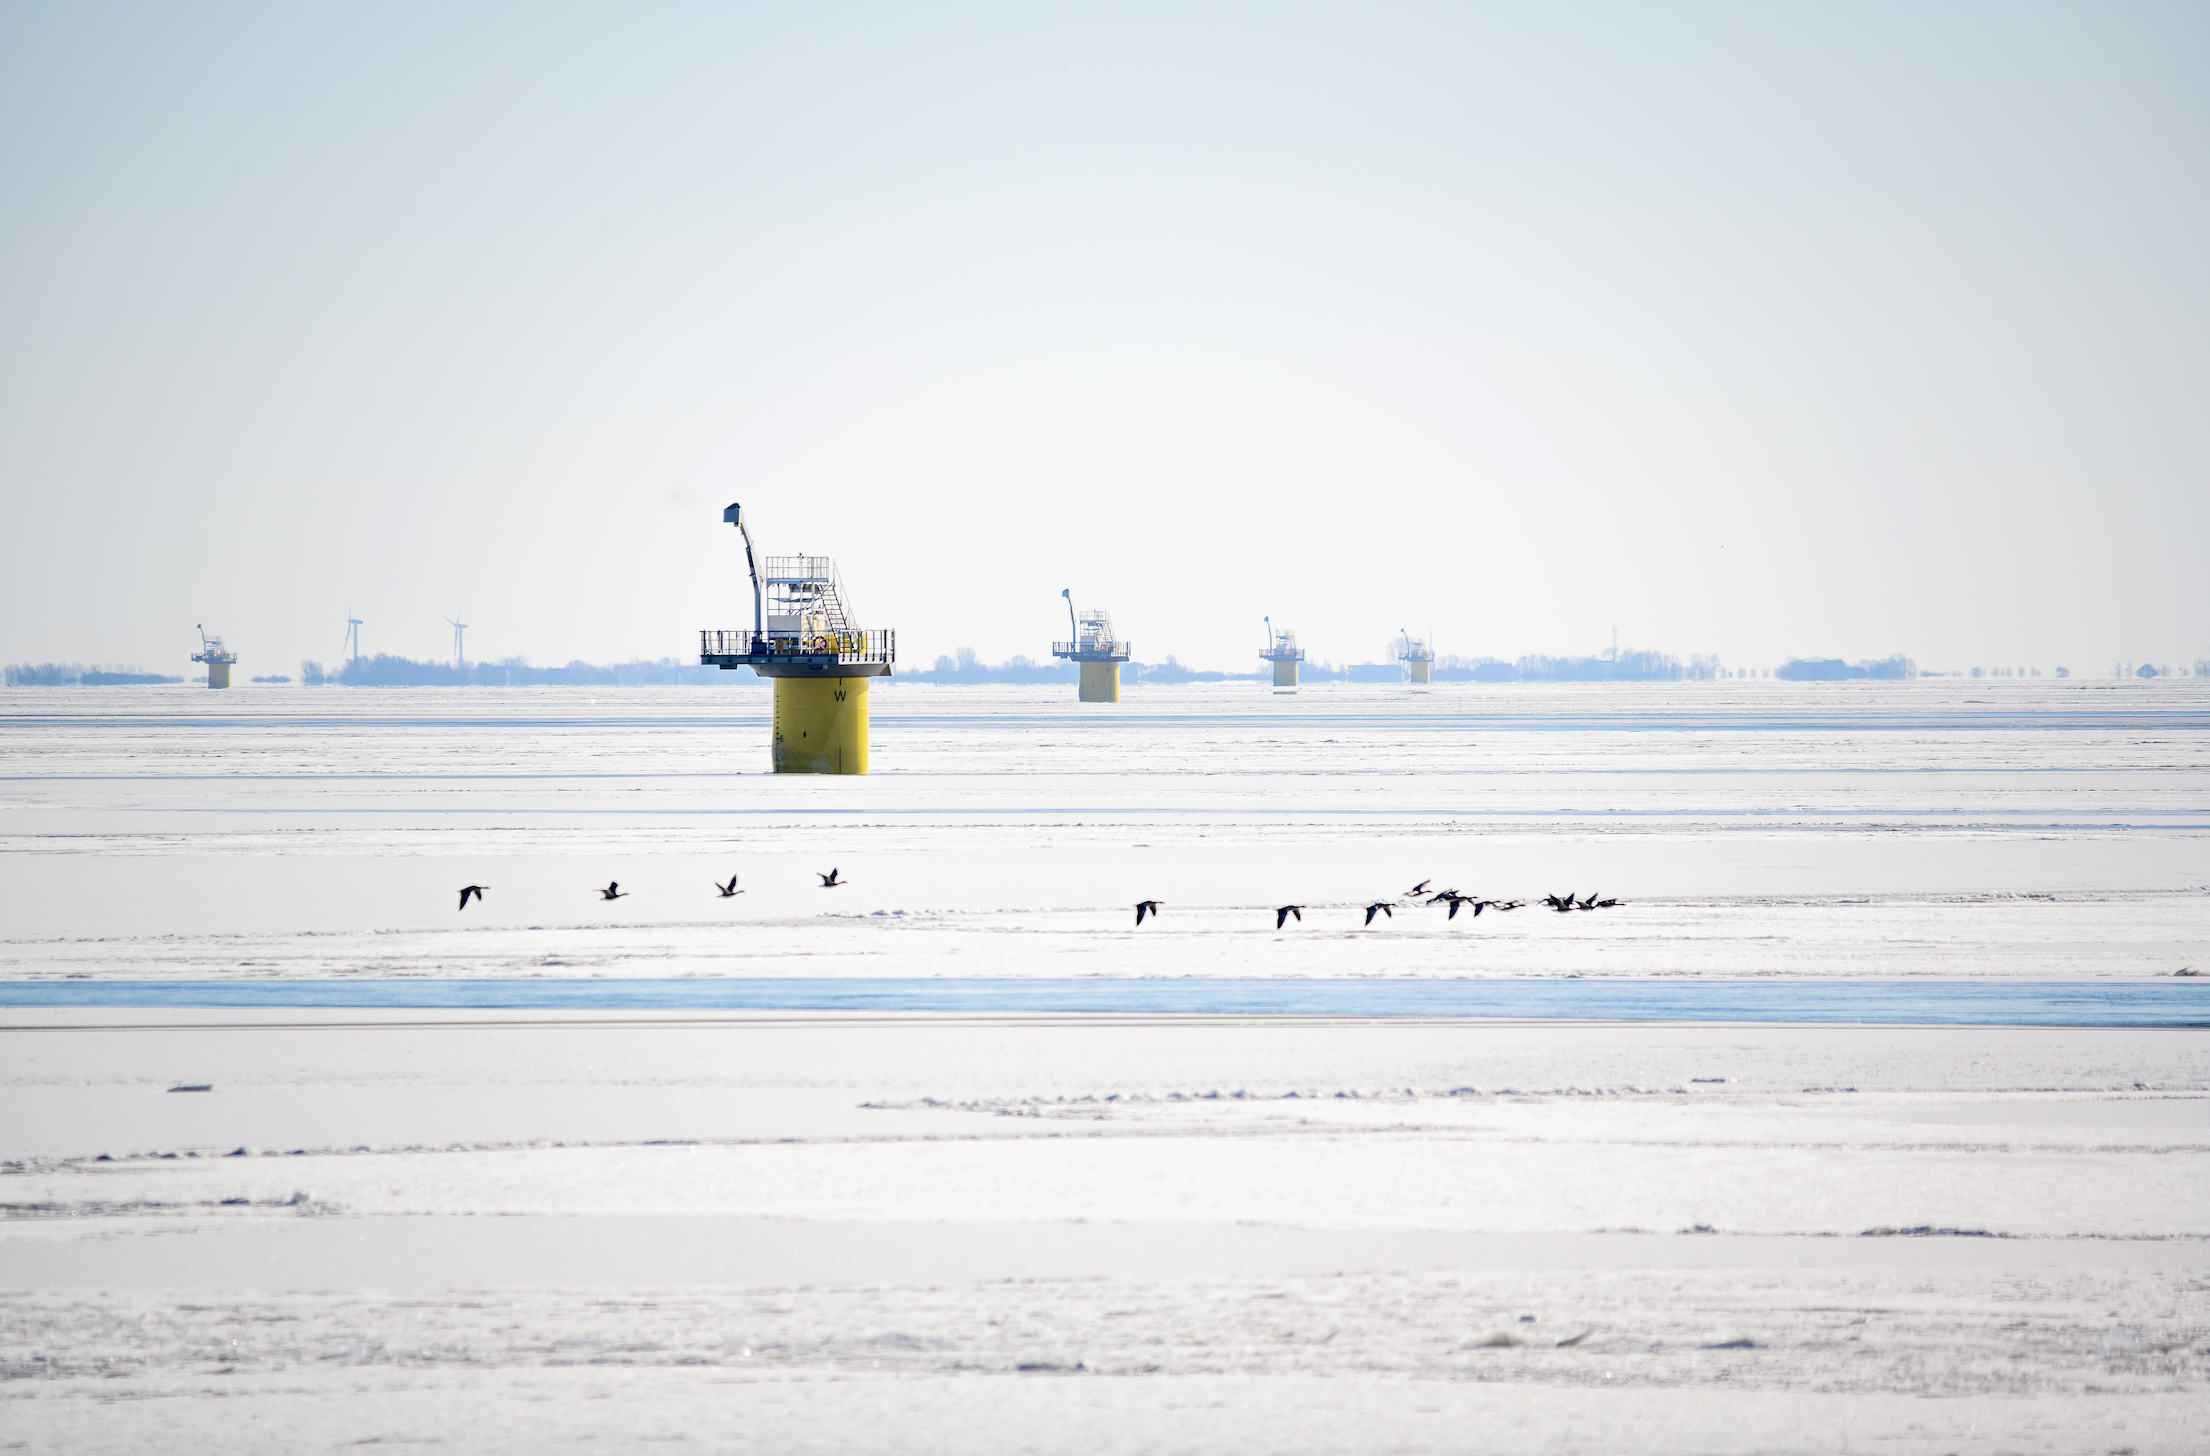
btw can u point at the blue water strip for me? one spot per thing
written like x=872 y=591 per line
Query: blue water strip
x=2163 y=1003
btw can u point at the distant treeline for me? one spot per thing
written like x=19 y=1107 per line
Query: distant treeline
x=386 y=671
x=76 y=674
x=1632 y=665
x=1628 y=666
x=1833 y=669
x=965 y=667
x=1019 y=668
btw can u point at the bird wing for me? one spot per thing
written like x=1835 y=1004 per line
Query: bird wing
x=1140 y=909
x=1281 y=917
x=1453 y=915
x=1388 y=912
x=1370 y=909
x=1298 y=911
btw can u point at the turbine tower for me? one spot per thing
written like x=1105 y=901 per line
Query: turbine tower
x=352 y=636
x=804 y=637
x=1094 y=646
x=1282 y=651
x=460 y=658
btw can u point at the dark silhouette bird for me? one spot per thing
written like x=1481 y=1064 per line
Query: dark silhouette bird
x=1557 y=904
x=729 y=890
x=1453 y=899
x=1383 y=906
x=1440 y=896
x=1601 y=905
x=829 y=881
x=1588 y=901
x=1282 y=914
x=613 y=891
x=1506 y=904
x=467 y=890
x=1146 y=907
x=1418 y=890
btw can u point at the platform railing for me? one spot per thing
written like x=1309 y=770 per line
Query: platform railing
x=1093 y=647
x=880 y=645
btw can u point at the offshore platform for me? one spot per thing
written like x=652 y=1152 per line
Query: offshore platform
x=1416 y=655
x=805 y=638
x=1282 y=651
x=1094 y=646
x=218 y=658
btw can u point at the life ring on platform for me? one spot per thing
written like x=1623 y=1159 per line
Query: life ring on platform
x=819 y=644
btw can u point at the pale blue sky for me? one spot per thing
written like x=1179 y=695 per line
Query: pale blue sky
x=1751 y=329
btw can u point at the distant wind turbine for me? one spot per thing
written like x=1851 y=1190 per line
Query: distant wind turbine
x=460 y=658
x=352 y=635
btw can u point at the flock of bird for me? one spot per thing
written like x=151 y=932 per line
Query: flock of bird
x=1417 y=895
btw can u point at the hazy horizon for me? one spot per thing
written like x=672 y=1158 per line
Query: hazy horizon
x=1755 y=333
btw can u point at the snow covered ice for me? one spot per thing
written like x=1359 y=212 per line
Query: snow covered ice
x=795 y=1230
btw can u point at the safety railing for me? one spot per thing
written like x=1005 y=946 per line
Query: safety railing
x=1093 y=647
x=845 y=646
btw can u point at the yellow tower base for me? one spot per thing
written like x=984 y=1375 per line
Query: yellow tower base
x=1285 y=673
x=1419 y=671
x=1100 y=682
x=821 y=725
x=218 y=674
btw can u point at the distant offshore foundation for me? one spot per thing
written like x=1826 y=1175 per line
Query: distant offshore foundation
x=1096 y=649
x=219 y=659
x=1282 y=651
x=803 y=636
x=1417 y=656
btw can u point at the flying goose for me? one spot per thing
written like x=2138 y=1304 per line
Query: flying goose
x=1383 y=906
x=1146 y=907
x=467 y=890
x=829 y=881
x=1282 y=914
x=613 y=891
x=730 y=890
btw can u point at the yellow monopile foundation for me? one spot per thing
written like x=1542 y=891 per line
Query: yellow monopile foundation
x=1100 y=682
x=821 y=725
